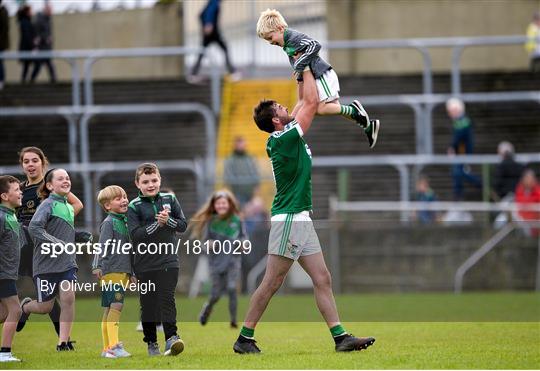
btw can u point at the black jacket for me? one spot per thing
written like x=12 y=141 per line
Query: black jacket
x=4 y=29
x=507 y=175
x=144 y=230
x=27 y=34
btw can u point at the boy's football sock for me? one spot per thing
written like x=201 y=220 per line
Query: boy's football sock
x=348 y=112
x=104 y=333
x=5 y=350
x=246 y=333
x=338 y=333
x=112 y=326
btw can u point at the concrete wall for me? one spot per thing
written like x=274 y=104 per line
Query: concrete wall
x=157 y=26
x=384 y=19
x=404 y=258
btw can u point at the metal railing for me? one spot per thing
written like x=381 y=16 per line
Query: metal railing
x=458 y=44
x=402 y=164
x=79 y=118
x=423 y=105
x=91 y=56
x=99 y=169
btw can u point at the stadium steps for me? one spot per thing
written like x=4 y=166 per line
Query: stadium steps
x=126 y=137
x=106 y=92
x=114 y=138
x=516 y=122
x=236 y=119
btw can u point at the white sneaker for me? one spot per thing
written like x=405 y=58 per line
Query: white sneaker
x=119 y=351
x=108 y=354
x=8 y=357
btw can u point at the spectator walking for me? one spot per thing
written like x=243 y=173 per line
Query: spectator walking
x=209 y=18
x=4 y=39
x=43 y=29
x=241 y=174
x=533 y=42
x=462 y=143
x=27 y=38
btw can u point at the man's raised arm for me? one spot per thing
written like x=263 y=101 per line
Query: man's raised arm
x=310 y=99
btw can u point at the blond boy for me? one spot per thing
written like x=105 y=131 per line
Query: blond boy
x=113 y=267
x=303 y=52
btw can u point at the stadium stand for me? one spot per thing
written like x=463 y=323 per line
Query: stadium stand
x=126 y=137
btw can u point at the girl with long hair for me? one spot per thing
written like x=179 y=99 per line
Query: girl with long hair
x=217 y=221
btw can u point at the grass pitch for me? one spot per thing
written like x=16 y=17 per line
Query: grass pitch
x=424 y=331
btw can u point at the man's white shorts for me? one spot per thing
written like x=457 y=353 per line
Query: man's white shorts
x=293 y=236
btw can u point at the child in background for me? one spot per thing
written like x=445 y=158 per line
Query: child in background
x=303 y=53
x=53 y=223
x=528 y=194
x=219 y=220
x=10 y=245
x=424 y=193
x=114 y=267
x=156 y=218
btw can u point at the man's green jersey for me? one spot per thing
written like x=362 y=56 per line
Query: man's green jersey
x=291 y=165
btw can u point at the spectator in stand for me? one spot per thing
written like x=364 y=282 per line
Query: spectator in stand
x=462 y=143
x=507 y=175
x=256 y=215
x=507 y=172
x=27 y=37
x=210 y=27
x=240 y=173
x=4 y=39
x=257 y=223
x=527 y=195
x=533 y=42
x=43 y=28
x=424 y=193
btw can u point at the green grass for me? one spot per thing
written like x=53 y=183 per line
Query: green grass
x=406 y=339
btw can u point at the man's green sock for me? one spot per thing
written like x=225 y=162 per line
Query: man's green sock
x=247 y=332
x=337 y=330
x=338 y=333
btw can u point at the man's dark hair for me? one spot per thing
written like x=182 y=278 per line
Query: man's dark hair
x=263 y=113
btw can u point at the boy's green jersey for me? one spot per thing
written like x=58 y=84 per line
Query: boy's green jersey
x=291 y=164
